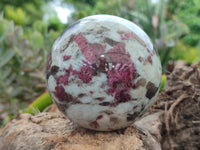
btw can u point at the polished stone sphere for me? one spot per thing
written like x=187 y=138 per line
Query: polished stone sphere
x=103 y=72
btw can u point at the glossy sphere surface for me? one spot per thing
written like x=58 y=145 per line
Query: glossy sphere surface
x=103 y=72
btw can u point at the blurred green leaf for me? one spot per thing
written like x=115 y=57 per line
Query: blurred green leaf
x=40 y=26
x=184 y=52
x=40 y=103
x=55 y=24
x=6 y=56
x=10 y=39
x=4 y=74
x=37 y=40
x=141 y=17
x=15 y=14
x=3 y=29
x=163 y=82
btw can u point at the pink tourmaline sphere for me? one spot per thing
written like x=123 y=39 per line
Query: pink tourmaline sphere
x=103 y=72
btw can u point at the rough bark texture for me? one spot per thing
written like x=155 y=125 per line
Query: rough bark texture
x=181 y=104
x=52 y=131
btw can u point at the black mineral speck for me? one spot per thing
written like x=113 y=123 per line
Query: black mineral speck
x=100 y=98
x=104 y=103
x=142 y=107
x=69 y=97
x=81 y=95
x=141 y=82
x=103 y=66
x=111 y=42
x=62 y=107
x=54 y=70
x=67 y=44
x=132 y=117
x=114 y=120
x=151 y=90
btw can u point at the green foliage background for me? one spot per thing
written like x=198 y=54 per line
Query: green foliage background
x=25 y=39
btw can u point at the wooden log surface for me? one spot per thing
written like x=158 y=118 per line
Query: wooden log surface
x=53 y=131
